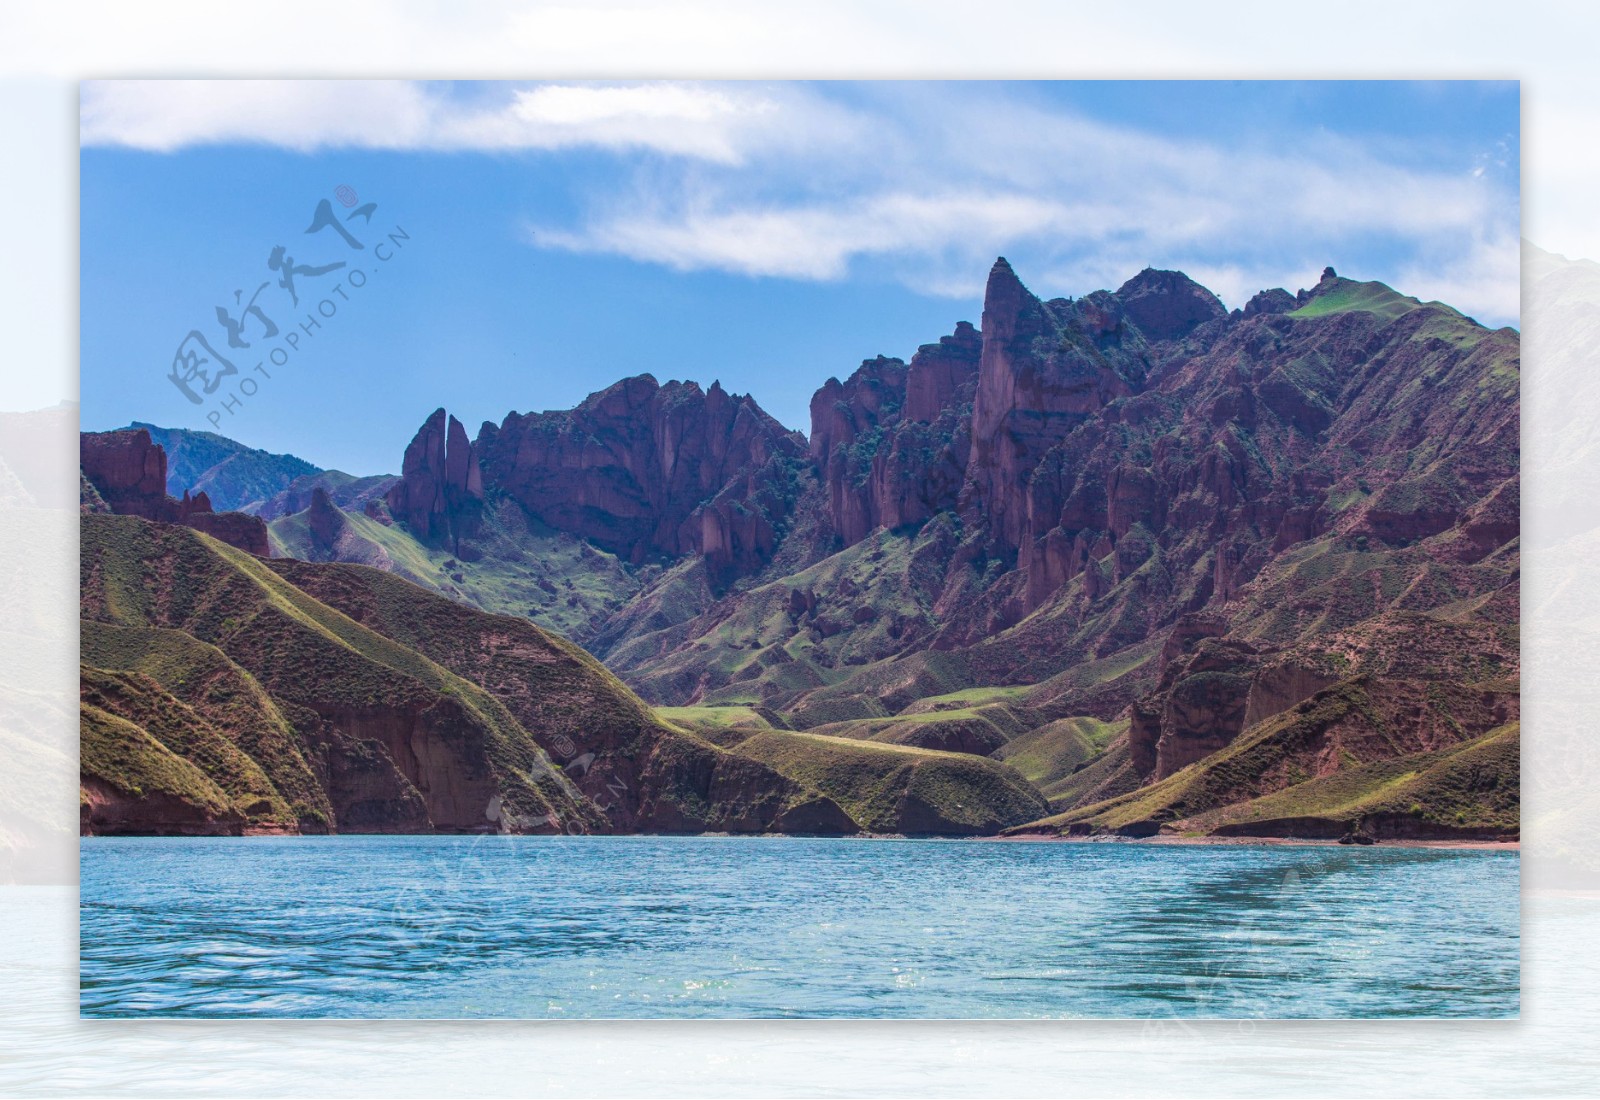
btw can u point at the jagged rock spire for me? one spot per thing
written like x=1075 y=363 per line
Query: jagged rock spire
x=441 y=485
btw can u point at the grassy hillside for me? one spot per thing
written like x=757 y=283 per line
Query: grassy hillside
x=898 y=789
x=140 y=701
x=131 y=779
x=323 y=696
x=1344 y=738
x=1053 y=753
x=401 y=742
x=645 y=773
x=519 y=568
x=226 y=698
x=1471 y=787
x=1346 y=295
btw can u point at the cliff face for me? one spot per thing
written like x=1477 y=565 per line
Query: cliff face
x=129 y=471
x=440 y=491
x=124 y=472
x=891 y=442
x=1045 y=368
x=643 y=470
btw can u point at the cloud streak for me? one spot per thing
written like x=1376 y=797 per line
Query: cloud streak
x=675 y=119
x=923 y=183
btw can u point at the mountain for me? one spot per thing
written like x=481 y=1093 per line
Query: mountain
x=234 y=477
x=1165 y=566
x=344 y=491
x=223 y=692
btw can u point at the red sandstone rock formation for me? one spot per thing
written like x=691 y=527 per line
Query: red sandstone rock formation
x=440 y=491
x=129 y=475
x=911 y=428
x=1045 y=368
x=649 y=471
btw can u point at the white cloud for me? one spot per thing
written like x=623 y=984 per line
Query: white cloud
x=162 y=116
x=814 y=241
x=930 y=181
x=676 y=119
x=1479 y=283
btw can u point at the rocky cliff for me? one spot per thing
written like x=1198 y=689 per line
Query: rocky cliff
x=440 y=492
x=891 y=443
x=124 y=472
x=1227 y=513
x=642 y=470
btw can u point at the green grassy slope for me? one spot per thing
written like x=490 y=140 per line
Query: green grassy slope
x=1054 y=752
x=223 y=695
x=176 y=727
x=1346 y=295
x=897 y=789
x=1468 y=787
x=130 y=778
x=364 y=695
x=1358 y=722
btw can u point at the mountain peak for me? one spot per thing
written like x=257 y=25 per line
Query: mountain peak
x=1002 y=278
x=1004 y=298
x=1167 y=305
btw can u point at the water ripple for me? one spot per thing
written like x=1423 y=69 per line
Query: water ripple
x=712 y=927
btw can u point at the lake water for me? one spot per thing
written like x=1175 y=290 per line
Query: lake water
x=663 y=928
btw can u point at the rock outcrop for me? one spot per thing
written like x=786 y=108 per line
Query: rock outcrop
x=1045 y=368
x=128 y=475
x=651 y=471
x=440 y=492
x=1198 y=708
x=324 y=522
x=890 y=442
x=1167 y=305
x=128 y=471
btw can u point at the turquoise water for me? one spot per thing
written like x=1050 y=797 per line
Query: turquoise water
x=648 y=927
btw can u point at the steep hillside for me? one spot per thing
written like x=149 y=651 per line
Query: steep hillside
x=396 y=742
x=645 y=775
x=224 y=693
x=514 y=565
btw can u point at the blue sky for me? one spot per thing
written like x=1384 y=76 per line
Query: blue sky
x=558 y=237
